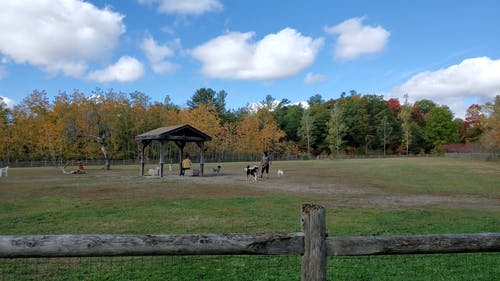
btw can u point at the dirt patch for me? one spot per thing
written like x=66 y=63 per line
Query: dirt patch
x=318 y=185
x=339 y=194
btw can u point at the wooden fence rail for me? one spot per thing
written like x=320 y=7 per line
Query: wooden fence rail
x=89 y=245
x=416 y=244
x=149 y=245
x=312 y=243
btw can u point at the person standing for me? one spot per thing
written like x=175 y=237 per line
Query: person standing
x=264 y=162
x=185 y=165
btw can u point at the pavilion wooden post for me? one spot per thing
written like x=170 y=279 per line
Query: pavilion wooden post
x=181 y=154
x=162 y=156
x=142 y=158
x=143 y=161
x=313 y=224
x=181 y=145
x=201 y=145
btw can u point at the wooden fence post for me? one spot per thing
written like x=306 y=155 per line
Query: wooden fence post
x=313 y=265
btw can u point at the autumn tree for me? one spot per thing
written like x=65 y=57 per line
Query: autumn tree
x=75 y=122
x=62 y=127
x=269 y=131
x=28 y=135
x=226 y=140
x=248 y=136
x=117 y=117
x=141 y=120
x=122 y=129
x=336 y=127
x=405 y=118
x=394 y=106
x=474 y=125
x=100 y=117
x=205 y=119
x=271 y=135
x=420 y=110
x=491 y=138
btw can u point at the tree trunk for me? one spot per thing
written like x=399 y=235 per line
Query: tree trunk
x=107 y=158
x=107 y=164
x=102 y=143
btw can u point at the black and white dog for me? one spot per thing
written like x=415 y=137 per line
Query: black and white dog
x=217 y=170
x=252 y=173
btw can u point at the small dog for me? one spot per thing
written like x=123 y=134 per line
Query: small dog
x=252 y=173
x=4 y=171
x=280 y=173
x=154 y=172
x=217 y=170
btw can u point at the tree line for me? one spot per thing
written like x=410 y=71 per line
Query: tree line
x=80 y=126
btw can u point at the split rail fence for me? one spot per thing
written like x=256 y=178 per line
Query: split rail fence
x=312 y=244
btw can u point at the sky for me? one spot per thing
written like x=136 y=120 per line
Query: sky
x=447 y=50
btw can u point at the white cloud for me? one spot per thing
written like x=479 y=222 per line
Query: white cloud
x=255 y=106
x=476 y=79
x=235 y=56
x=312 y=78
x=127 y=69
x=156 y=55
x=185 y=7
x=303 y=104
x=57 y=35
x=356 y=39
x=8 y=102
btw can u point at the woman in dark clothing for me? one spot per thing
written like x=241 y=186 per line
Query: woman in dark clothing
x=264 y=162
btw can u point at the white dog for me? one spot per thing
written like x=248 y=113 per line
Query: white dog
x=154 y=171
x=280 y=173
x=4 y=171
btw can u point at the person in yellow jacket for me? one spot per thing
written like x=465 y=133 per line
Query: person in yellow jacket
x=185 y=165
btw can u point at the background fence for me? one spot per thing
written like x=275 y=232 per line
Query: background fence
x=247 y=158
x=246 y=257
x=482 y=156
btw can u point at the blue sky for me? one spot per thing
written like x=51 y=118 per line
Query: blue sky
x=447 y=51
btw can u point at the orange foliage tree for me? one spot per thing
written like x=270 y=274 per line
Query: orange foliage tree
x=248 y=136
x=206 y=120
x=254 y=137
x=28 y=135
x=491 y=139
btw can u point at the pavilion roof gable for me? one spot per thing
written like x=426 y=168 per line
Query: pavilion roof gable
x=177 y=133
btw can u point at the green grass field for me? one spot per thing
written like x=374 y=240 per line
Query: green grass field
x=362 y=197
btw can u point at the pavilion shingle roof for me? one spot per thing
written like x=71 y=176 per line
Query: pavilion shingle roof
x=178 y=132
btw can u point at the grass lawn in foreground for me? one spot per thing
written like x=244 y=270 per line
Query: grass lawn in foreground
x=362 y=197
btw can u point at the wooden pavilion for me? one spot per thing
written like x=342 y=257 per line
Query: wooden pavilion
x=180 y=135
